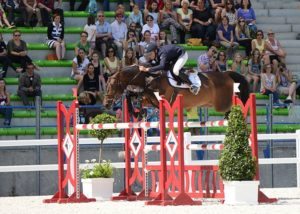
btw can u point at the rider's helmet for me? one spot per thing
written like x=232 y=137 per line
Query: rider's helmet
x=148 y=50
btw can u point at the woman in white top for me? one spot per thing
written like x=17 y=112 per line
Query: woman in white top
x=111 y=63
x=79 y=65
x=152 y=11
x=185 y=18
x=153 y=28
x=145 y=40
x=90 y=28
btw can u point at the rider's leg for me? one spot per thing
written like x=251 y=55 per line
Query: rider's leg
x=196 y=83
x=180 y=63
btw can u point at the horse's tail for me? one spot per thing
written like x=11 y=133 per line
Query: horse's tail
x=244 y=85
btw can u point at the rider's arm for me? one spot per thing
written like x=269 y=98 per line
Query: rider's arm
x=161 y=65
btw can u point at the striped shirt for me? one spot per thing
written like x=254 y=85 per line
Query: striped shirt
x=203 y=59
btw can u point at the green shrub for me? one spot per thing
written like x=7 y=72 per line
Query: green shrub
x=99 y=170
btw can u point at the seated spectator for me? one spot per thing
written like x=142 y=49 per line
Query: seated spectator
x=121 y=11
x=142 y=4
x=268 y=84
x=286 y=84
x=274 y=50
x=136 y=17
x=238 y=65
x=248 y=14
x=90 y=28
x=230 y=12
x=47 y=8
x=55 y=35
x=5 y=60
x=207 y=61
x=79 y=65
x=90 y=81
x=152 y=28
x=242 y=34
x=29 y=85
x=145 y=40
x=129 y=58
x=153 y=11
x=185 y=18
x=216 y=8
x=5 y=109
x=81 y=7
x=226 y=37
x=137 y=30
x=16 y=7
x=31 y=8
x=111 y=63
x=255 y=66
x=87 y=98
x=98 y=70
x=221 y=62
x=163 y=39
x=160 y=4
x=103 y=34
x=132 y=42
x=259 y=43
x=168 y=20
x=119 y=32
x=84 y=45
x=17 y=50
x=3 y=19
x=193 y=4
x=202 y=26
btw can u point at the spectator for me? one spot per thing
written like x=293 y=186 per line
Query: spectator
x=140 y=3
x=286 y=84
x=248 y=14
x=87 y=98
x=268 y=84
x=121 y=11
x=242 y=33
x=55 y=35
x=202 y=26
x=259 y=42
x=163 y=39
x=90 y=81
x=274 y=50
x=160 y=4
x=119 y=32
x=238 y=65
x=136 y=16
x=255 y=66
x=206 y=62
x=3 y=19
x=152 y=28
x=103 y=34
x=226 y=37
x=129 y=58
x=98 y=69
x=32 y=9
x=46 y=7
x=5 y=108
x=84 y=45
x=146 y=40
x=185 y=18
x=132 y=42
x=81 y=7
x=230 y=12
x=29 y=85
x=221 y=62
x=153 y=11
x=16 y=7
x=216 y=8
x=17 y=50
x=136 y=29
x=168 y=20
x=111 y=63
x=90 y=28
x=5 y=60
x=79 y=65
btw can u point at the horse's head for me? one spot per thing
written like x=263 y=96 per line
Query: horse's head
x=113 y=90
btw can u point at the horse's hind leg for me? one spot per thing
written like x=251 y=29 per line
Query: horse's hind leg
x=223 y=100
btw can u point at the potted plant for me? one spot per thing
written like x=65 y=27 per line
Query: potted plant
x=97 y=182
x=237 y=165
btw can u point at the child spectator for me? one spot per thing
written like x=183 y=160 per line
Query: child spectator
x=129 y=58
x=153 y=11
x=55 y=34
x=242 y=34
x=221 y=62
x=79 y=65
x=163 y=39
x=111 y=63
x=238 y=65
x=255 y=66
x=5 y=109
x=84 y=45
x=90 y=28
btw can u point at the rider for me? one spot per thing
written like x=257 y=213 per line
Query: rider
x=167 y=57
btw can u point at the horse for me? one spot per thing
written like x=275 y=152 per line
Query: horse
x=216 y=88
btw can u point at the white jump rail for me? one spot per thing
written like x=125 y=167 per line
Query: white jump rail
x=201 y=138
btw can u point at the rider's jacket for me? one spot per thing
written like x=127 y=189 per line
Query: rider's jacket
x=167 y=56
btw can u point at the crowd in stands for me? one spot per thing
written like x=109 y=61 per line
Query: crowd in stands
x=224 y=24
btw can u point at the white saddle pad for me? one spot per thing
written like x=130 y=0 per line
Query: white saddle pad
x=173 y=82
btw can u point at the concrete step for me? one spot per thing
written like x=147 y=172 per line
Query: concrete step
x=292 y=59
x=46 y=89
x=270 y=20
x=292 y=51
x=47 y=72
x=31 y=121
x=284 y=12
x=293 y=20
x=286 y=36
x=296 y=28
x=42 y=54
x=113 y=5
x=277 y=28
x=258 y=5
x=45 y=103
x=261 y=12
x=290 y=43
x=282 y=5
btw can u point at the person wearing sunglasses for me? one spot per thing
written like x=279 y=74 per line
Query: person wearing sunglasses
x=207 y=61
x=119 y=32
x=169 y=58
x=242 y=34
x=103 y=34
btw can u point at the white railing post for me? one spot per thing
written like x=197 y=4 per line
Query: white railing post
x=187 y=152
x=298 y=157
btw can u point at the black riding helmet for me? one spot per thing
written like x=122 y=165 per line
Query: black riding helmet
x=148 y=49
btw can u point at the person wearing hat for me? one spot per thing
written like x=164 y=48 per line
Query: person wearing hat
x=168 y=57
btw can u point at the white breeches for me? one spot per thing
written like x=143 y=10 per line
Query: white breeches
x=180 y=63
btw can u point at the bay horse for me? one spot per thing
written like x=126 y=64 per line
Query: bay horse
x=216 y=88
